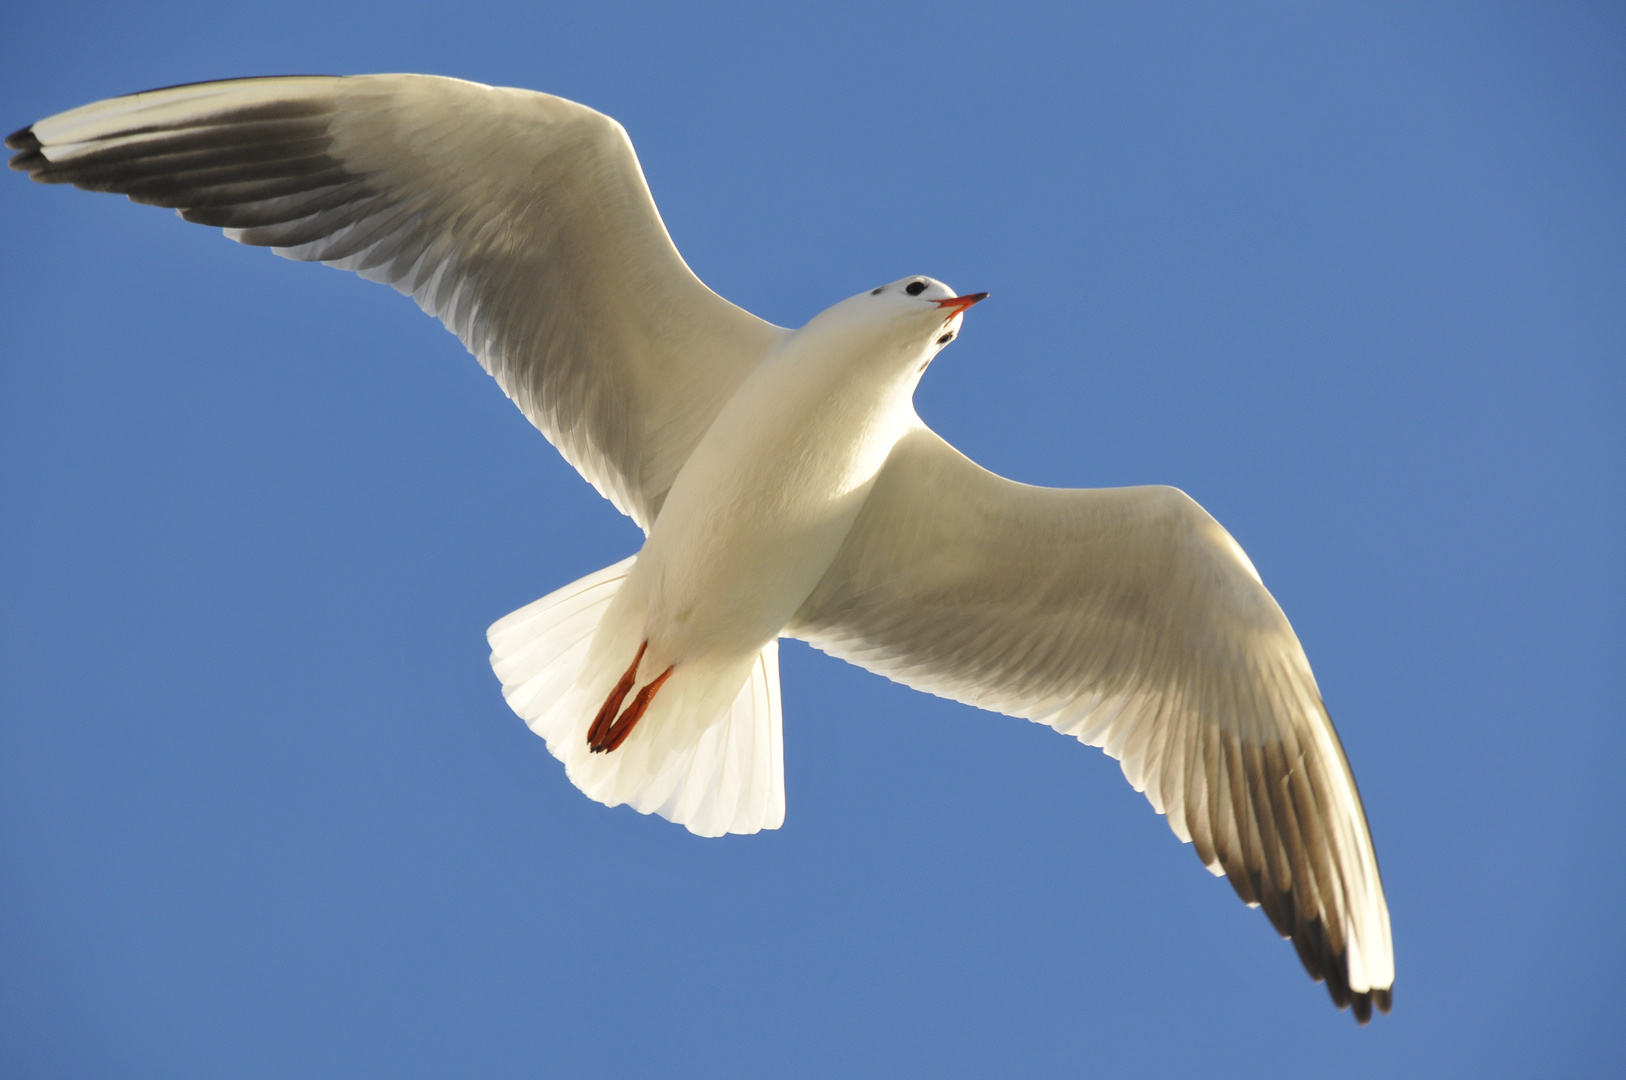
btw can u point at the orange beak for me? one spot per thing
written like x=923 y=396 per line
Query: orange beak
x=958 y=304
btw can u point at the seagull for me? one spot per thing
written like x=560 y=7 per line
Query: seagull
x=785 y=485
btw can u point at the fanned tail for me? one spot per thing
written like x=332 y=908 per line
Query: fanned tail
x=711 y=769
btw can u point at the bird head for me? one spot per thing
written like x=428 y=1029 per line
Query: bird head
x=912 y=318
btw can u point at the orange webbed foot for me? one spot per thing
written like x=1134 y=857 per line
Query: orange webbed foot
x=598 y=733
x=609 y=731
x=635 y=712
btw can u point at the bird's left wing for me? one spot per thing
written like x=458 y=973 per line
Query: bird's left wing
x=521 y=220
x=1129 y=618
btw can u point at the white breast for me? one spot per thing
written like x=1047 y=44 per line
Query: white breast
x=763 y=504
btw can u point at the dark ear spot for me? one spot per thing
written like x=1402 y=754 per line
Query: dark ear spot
x=915 y=288
x=876 y=292
x=945 y=339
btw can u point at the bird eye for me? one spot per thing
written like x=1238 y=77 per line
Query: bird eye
x=915 y=288
x=945 y=339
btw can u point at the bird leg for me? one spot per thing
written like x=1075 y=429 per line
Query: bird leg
x=635 y=712
x=607 y=731
x=599 y=732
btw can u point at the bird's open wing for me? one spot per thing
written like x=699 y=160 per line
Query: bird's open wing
x=520 y=220
x=1129 y=618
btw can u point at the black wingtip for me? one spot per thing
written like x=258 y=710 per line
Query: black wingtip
x=1362 y=1004
x=27 y=145
x=25 y=140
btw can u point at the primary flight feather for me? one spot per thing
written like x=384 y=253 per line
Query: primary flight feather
x=785 y=485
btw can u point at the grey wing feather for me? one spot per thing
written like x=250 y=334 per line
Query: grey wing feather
x=522 y=221
x=1129 y=618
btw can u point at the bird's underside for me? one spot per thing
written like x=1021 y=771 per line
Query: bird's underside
x=1125 y=617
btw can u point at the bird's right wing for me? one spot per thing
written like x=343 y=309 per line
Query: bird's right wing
x=1129 y=618
x=521 y=220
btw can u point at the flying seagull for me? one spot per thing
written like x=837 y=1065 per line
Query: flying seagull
x=784 y=483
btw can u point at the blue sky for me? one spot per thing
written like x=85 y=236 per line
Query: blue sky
x=1350 y=275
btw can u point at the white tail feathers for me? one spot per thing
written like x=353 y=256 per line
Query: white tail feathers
x=721 y=772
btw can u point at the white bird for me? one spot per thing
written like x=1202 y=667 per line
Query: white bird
x=785 y=485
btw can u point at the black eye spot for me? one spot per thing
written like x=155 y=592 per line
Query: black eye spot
x=945 y=339
x=876 y=292
x=915 y=288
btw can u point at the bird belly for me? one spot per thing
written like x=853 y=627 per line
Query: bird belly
x=757 y=515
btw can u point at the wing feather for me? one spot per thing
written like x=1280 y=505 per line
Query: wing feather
x=1129 y=619
x=522 y=221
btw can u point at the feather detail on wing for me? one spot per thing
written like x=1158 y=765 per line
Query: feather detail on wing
x=1129 y=618
x=522 y=221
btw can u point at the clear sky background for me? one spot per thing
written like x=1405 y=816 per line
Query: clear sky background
x=1353 y=276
